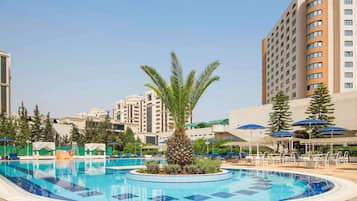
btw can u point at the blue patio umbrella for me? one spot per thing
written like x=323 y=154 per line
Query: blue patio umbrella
x=332 y=130
x=309 y=123
x=282 y=134
x=231 y=139
x=5 y=139
x=251 y=127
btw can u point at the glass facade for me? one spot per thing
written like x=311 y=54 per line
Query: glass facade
x=3 y=69
x=149 y=119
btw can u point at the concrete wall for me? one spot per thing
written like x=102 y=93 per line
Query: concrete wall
x=345 y=112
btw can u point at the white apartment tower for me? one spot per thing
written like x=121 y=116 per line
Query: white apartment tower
x=144 y=114
x=129 y=112
x=313 y=43
x=5 y=78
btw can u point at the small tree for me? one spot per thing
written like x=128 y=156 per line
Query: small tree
x=321 y=107
x=76 y=136
x=23 y=132
x=280 y=117
x=48 y=132
x=36 y=130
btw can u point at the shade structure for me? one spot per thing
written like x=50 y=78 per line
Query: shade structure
x=332 y=130
x=325 y=133
x=251 y=127
x=5 y=139
x=282 y=134
x=309 y=123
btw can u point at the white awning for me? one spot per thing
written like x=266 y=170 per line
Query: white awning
x=94 y=146
x=43 y=145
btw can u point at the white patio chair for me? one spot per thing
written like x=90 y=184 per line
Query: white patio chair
x=345 y=158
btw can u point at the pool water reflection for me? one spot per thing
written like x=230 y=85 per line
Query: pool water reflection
x=97 y=180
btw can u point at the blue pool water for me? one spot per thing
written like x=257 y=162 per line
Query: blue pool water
x=96 y=180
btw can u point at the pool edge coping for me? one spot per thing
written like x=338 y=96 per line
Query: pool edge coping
x=12 y=192
x=343 y=189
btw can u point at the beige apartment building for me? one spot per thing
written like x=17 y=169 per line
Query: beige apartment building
x=5 y=98
x=313 y=43
x=144 y=114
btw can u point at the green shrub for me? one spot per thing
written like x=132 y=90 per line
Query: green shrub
x=192 y=169
x=172 y=169
x=152 y=167
x=209 y=166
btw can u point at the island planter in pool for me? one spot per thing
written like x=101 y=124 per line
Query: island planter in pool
x=187 y=178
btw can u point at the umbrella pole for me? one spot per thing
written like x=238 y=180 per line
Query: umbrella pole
x=250 y=144
x=331 y=146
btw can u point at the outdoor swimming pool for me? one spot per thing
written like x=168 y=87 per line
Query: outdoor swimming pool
x=96 y=180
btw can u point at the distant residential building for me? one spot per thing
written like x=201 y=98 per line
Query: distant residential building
x=99 y=113
x=5 y=79
x=144 y=114
x=80 y=123
x=313 y=43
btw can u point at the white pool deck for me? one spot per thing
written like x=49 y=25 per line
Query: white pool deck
x=344 y=190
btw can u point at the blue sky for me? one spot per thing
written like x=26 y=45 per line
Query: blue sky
x=69 y=56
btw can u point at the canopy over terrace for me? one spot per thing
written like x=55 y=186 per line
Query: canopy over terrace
x=90 y=147
x=37 y=146
x=264 y=143
x=327 y=141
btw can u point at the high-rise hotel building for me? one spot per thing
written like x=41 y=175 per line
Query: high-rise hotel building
x=314 y=42
x=5 y=106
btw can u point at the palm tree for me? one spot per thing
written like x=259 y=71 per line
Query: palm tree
x=180 y=97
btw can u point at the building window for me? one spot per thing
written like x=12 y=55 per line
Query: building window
x=294 y=49
x=294 y=77
x=314 y=13
x=314 y=44
x=348 y=64
x=314 y=34
x=294 y=85
x=348 y=22
x=314 y=65
x=348 y=11
x=313 y=86
x=314 y=76
x=348 y=54
x=313 y=3
x=348 y=2
x=294 y=67
x=314 y=24
x=348 y=32
x=314 y=55
x=348 y=74
x=348 y=43
x=348 y=85
x=294 y=58
x=294 y=95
